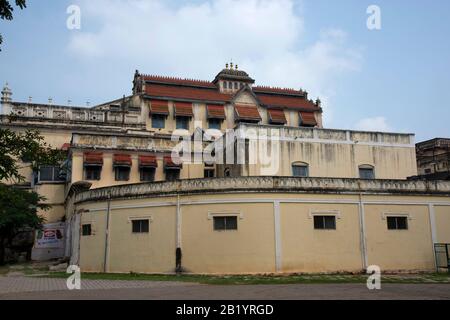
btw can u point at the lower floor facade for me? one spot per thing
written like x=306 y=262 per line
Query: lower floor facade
x=259 y=225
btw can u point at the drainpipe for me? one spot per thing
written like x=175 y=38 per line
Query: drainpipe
x=108 y=211
x=178 y=253
x=362 y=233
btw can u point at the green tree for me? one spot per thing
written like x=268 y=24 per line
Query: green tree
x=18 y=213
x=6 y=11
x=18 y=206
x=29 y=147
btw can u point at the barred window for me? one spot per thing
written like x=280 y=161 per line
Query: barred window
x=225 y=223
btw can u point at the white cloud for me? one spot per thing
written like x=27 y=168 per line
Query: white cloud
x=373 y=124
x=195 y=40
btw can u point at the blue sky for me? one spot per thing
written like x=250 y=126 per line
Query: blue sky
x=393 y=79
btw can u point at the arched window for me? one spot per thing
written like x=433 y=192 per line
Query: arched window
x=227 y=172
x=300 y=169
x=366 y=171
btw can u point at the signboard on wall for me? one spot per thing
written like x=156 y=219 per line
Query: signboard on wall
x=50 y=236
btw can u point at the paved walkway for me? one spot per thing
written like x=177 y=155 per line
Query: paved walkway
x=47 y=288
x=31 y=284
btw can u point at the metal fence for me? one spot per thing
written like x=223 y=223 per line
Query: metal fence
x=442 y=254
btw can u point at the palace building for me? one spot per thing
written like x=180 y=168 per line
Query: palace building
x=224 y=176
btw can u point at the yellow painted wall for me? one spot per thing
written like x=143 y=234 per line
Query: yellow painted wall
x=92 y=248
x=305 y=249
x=399 y=249
x=146 y=252
x=252 y=248
x=442 y=222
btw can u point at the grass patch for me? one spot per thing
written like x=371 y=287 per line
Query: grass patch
x=263 y=279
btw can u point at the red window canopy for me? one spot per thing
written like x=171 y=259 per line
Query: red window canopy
x=215 y=111
x=308 y=119
x=170 y=164
x=122 y=160
x=93 y=158
x=159 y=107
x=148 y=162
x=277 y=116
x=65 y=146
x=250 y=113
x=183 y=109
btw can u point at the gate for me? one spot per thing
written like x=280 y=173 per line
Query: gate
x=442 y=254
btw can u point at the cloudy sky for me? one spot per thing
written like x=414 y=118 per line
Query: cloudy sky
x=393 y=79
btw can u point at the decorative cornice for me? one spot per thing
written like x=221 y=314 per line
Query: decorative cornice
x=268 y=184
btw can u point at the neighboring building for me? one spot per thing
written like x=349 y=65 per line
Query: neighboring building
x=433 y=159
x=327 y=199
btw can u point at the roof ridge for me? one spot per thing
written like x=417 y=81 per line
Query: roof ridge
x=177 y=79
x=278 y=89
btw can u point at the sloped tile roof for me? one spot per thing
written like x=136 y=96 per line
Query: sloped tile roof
x=277 y=116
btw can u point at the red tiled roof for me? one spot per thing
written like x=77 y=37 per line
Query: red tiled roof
x=179 y=92
x=148 y=161
x=308 y=118
x=168 y=163
x=286 y=101
x=247 y=113
x=122 y=159
x=215 y=111
x=93 y=158
x=159 y=107
x=277 y=116
x=178 y=81
x=183 y=109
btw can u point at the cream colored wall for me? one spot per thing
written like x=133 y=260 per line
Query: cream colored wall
x=442 y=223
x=305 y=249
x=341 y=160
x=250 y=249
x=147 y=252
x=92 y=248
x=54 y=195
x=409 y=249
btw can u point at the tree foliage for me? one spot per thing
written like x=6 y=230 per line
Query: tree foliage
x=18 y=206
x=6 y=11
x=18 y=213
x=28 y=147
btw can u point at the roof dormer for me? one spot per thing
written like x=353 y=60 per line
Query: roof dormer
x=231 y=79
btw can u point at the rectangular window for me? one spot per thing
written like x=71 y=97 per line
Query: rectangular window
x=300 y=171
x=214 y=124
x=325 y=222
x=209 y=173
x=366 y=173
x=92 y=173
x=148 y=174
x=86 y=229
x=397 y=223
x=158 y=121
x=140 y=226
x=122 y=173
x=50 y=173
x=172 y=174
x=183 y=123
x=225 y=223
